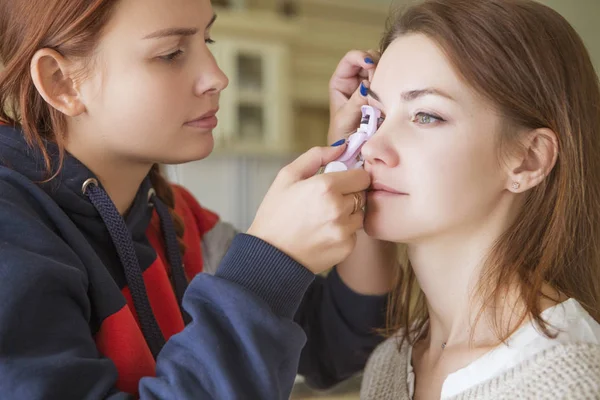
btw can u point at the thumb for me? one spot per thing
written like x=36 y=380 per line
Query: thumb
x=359 y=97
x=347 y=119
x=309 y=163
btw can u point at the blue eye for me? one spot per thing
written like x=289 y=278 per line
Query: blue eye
x=422 y=118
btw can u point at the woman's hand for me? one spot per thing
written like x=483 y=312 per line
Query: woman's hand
x=313 y=218
x=345 y=96
x=369 y=269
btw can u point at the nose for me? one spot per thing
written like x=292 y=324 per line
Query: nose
x=211 y=79
x=379 y=150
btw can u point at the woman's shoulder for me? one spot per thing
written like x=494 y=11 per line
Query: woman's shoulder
x=574 y=322
x=569 y=360
x=385 y=375
x=22 y=198
x=393 y=346
x=394 y=349
x=565 y=371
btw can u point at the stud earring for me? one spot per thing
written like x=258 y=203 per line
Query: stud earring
x=516 y=185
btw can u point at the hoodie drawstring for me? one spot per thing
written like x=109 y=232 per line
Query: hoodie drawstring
x=180 y=281
x=123 y=242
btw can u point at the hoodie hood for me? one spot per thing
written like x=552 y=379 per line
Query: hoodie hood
x=120 y=242
x=66 y=188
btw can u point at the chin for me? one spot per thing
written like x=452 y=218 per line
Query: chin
x=390 y=229
x=202 y=151
x=188 y=152
x=378 y=227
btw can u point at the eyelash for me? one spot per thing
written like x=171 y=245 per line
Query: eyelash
x=172 y=56
x=437 y=118
x=177 y=53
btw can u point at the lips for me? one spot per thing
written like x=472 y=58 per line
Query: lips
x=205 y=121
x=379 y=187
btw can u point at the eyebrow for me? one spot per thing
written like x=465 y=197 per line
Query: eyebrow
x=414 y=94
x=178 y=31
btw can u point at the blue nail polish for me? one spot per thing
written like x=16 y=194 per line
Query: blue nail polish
x=339 y=143
x=369 y=60
x=363 y=89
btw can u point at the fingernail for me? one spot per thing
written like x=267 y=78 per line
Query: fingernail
x=339 y=143
x=363 y=90
x=369 y=60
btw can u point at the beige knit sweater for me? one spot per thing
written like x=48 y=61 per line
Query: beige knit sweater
x=566 y=371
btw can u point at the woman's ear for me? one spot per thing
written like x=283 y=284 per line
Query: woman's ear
x=53 y=78
x=535 y=162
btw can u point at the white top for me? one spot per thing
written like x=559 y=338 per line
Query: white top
x=574 y=325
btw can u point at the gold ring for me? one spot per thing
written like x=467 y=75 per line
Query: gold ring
x=358 y=200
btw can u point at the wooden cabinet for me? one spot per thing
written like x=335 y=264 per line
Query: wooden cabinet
x=279 y=69
x=256 y=107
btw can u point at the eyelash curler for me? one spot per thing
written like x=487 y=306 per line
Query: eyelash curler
x=352 y=157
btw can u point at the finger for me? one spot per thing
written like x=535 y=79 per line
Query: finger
x=347 y=117
x=352 y=63
x=309 y=163
x=340 y=92
x=375 y=55
x=354 y=203
x=355 y=222
x=354 y=103
x=359 y=97
x=367 y=73
x=347 y=182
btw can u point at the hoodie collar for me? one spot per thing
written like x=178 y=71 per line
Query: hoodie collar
x=66 y=188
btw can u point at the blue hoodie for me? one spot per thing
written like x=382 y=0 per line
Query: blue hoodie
x=91 y=305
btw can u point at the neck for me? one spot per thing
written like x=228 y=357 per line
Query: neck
x=120 y=178
x=121 y=181
x=448 y=269
x=448 y=274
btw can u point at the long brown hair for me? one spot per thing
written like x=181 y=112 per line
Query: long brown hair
x=73 y=29
x=530 y=63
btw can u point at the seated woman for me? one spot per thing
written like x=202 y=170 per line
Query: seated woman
x=487 y=166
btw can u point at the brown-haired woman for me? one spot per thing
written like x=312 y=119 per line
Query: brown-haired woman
x=95 y=94
x=488 y=167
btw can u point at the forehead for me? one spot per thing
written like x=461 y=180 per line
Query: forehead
x=140 y=17
x=415 y=62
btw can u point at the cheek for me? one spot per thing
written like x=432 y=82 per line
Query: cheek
x=143 y=100
x=138 y=111
x=457 y=164
x=461 y=179
x=143 y=106
x=448 y=183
